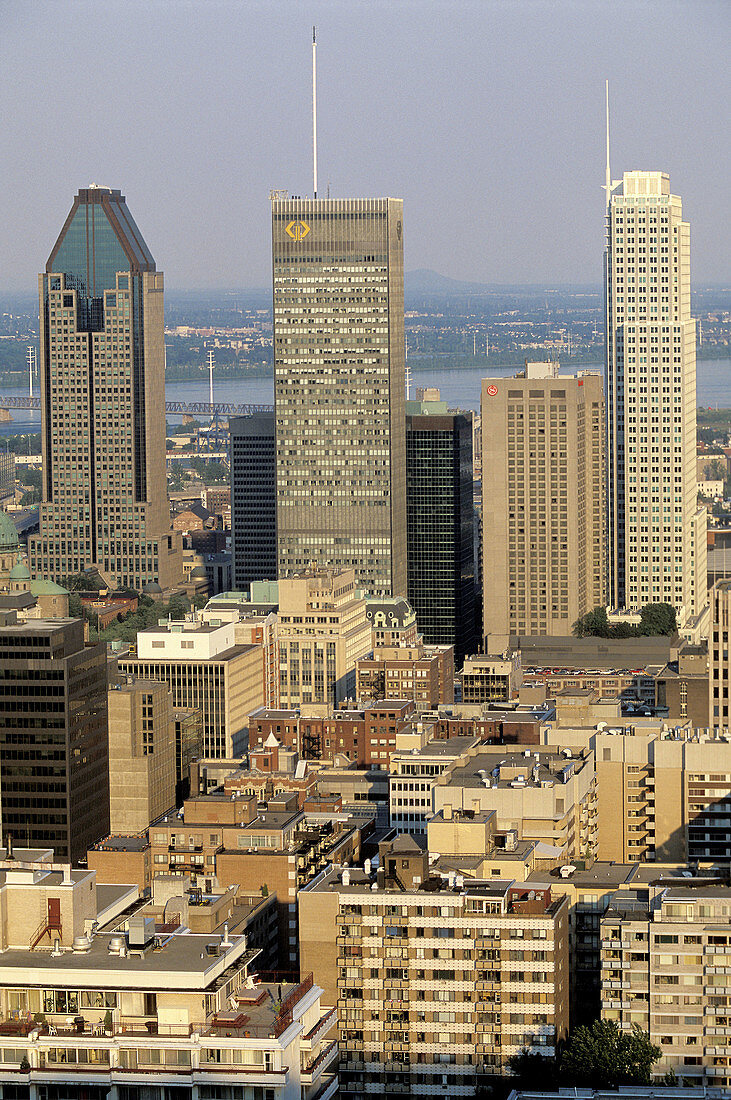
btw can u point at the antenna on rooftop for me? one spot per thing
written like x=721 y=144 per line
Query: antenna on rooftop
x=314 y=113
x=211 y=365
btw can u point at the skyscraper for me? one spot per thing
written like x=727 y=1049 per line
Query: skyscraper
x=543 y=502
x=657 y=532
x=339 y=388
x=102 y=367
x=253 y=499
x=54 y=778
x=440 y=517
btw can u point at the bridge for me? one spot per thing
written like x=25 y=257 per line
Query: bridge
x=202 y=408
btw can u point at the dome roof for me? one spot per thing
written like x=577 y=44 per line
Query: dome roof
x=199 y=571
x=152 y=586
x=20 y=572
x=8 y=533
x=42 y=587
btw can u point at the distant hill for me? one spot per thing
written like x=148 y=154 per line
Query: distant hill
x=425 y=281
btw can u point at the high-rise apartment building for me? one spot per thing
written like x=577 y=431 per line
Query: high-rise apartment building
x=102 y=367
x=253 y=499
x=54 y=781
x=440 y=520
x=657 y=532
x=543 y=501
x=339 y=388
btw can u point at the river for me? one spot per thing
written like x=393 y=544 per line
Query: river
x=459 y=388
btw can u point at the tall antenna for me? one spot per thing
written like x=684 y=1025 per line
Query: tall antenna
x=608 y=173
x=314 y=113
x=211 y=365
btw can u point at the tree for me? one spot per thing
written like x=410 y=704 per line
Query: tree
x=533 y=1070
x=601 y=1056
x=594 y=624
x=657 y=618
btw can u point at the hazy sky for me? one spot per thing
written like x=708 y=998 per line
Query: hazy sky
x=485 y=116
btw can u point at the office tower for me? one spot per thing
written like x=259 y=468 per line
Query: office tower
x=54 y=783
x=102 y=403
x=719 y=648
x=339 y=388
x=657 y=534
x=440 y=524
x=323 y=630
x=141 y=754
x=204 y=668
x=253 y=499
x=543 y=501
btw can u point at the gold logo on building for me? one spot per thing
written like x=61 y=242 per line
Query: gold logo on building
x=297 y=230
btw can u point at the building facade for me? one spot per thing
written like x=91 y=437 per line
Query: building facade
x=437 y=983
x=543 y=501
x=323 y=630
x=440 y=523
x=657 y=532
x=339 y=388
x=102 y=367
x=719 y=681
x=253 y=499
x=205 y=670
x=142 y=754
x=54 y=779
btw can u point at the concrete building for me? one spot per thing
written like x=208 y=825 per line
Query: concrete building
x=414 y=768
x=683 y=686
x=664 y=957
x=719 y=681
x=543 y=502
x=54 y=761
x=437 y=981
x=142 y=751
x=657 y=531
x=323 y=631
x=253 y=498
x=440 y=522
x=546 y=795
x=102 y=370
x=488 y=679
x=204 y=669
x=424 y=673
x=339 y=388
x=662 y=793
x=117 y=1004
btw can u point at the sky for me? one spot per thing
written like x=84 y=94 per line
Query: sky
x=485 y=116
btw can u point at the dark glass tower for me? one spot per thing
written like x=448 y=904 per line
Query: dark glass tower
x=253 y=499
x=54 y=754
x=102 y=368
x=440 y=523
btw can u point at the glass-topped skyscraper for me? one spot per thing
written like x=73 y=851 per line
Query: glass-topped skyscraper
x=102 y=367
x=339 y=388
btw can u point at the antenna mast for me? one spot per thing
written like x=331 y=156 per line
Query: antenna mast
x=314 y=113
x=608 y=174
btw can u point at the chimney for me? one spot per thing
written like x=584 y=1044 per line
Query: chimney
x=9 y=853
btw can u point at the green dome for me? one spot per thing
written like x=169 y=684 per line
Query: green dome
x=20 y=572
x=8 y=533
x=43 y=587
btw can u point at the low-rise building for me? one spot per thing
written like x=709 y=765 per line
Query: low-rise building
x=682 y=687
x=414 y=770
x=491 y=679
x=545 y=796
x=424 y=673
